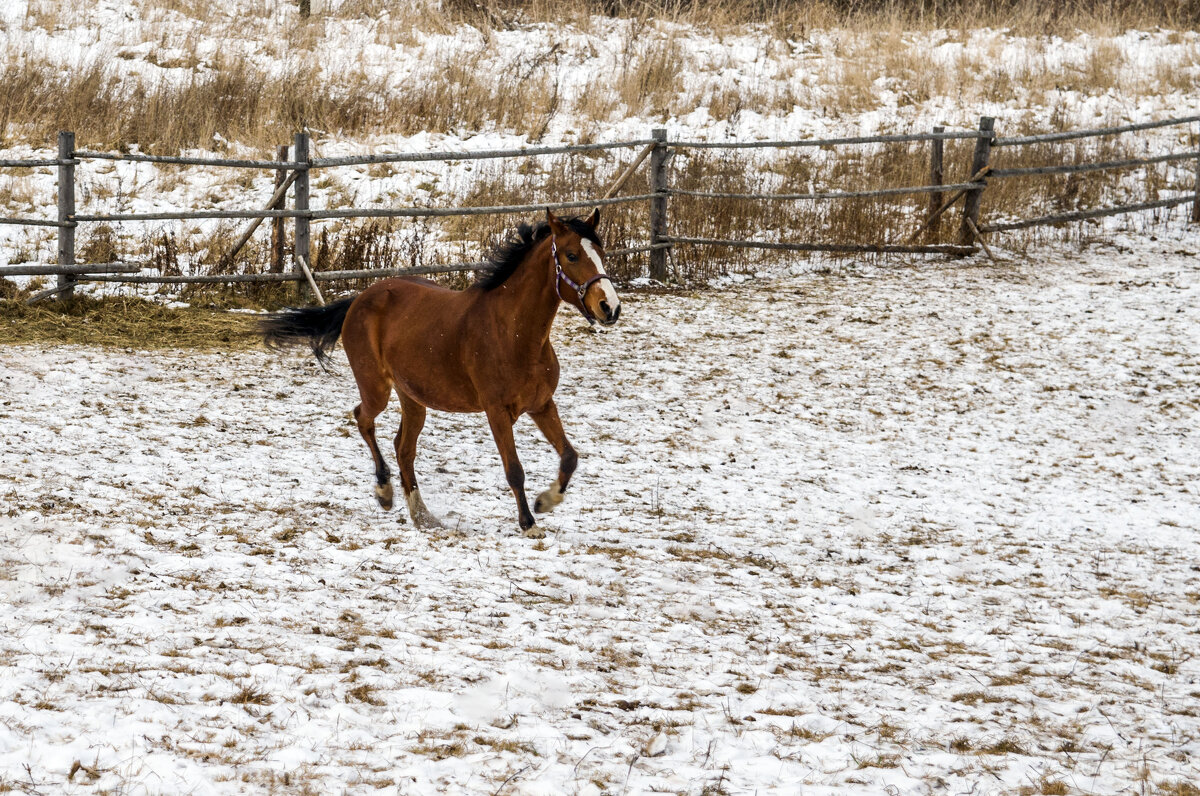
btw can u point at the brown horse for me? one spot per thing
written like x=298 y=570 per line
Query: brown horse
x=483 y=349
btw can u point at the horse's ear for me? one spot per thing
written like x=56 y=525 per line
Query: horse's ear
x=594 y=219
x=556 y=226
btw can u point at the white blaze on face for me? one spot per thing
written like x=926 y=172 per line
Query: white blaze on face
x=610 y=295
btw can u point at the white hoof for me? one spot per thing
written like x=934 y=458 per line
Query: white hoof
x=549 y=499
x=384 y=494
x=533 y=532
x=422 y=517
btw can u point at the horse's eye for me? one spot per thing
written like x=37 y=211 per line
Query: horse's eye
x=572 y=257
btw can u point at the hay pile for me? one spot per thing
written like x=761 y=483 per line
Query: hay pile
x=124 y=322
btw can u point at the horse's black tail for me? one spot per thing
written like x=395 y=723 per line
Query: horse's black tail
x=320 y=327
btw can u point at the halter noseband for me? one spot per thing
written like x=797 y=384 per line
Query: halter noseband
x=579 y=289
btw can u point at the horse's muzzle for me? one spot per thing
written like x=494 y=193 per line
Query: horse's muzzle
x=610 y=315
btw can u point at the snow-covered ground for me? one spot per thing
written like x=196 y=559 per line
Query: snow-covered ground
x=905 y=528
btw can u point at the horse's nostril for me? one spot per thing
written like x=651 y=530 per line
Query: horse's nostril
x=605 y=309
x=617 y=314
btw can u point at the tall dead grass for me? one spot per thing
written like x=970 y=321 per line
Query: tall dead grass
x=1020 y=16
x=239 y=101
x=458 y=87
x=474 y=84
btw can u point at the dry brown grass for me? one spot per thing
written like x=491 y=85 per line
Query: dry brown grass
x=789 y=17
x=453 y=89
x=124 y=322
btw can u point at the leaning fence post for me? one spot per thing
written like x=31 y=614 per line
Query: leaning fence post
x=300 y=246
x=983 y=152
x=936 y=177
x=66 y=210
x=658 y=205
x=278 y=236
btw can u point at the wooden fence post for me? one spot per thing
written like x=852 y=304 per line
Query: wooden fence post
x=658 y=205
x=278 y=236
x=66 y=210
x=983 y=152
x=300 y=244
x=1196 y=203
x=936 y=177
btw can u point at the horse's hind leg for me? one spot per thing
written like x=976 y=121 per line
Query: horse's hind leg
x=374 y=395
x=411 y=422
x=547 y=420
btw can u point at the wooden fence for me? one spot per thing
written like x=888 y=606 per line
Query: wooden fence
x=295 y=174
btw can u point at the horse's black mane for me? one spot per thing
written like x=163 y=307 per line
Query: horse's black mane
x=503 y=262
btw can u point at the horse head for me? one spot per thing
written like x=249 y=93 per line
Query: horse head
x=578 y=259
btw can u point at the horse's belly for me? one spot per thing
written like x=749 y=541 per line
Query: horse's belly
x=442 y=399
x=435 y=380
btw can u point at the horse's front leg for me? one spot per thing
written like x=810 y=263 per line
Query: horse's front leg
x=501 y=422
x=547 y=420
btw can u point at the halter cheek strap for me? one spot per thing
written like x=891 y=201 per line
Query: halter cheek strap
x=579 y=289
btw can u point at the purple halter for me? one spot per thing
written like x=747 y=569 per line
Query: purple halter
x=579 y=289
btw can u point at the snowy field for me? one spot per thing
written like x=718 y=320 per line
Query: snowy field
x=906 y=528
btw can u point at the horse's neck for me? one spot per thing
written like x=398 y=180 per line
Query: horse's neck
x=527 y=303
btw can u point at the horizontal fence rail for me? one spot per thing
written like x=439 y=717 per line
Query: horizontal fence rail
x=844 y=248
x=1083 y=215
x=320 y=276
x=186 y=161
x=81 y=268
x=294 y=173
x=482 y=154
x=821 y=142
x=35 y=222
x=1085 y=167
x=772 y=197
x=365 y=212
x=1048 y=138
x=26 y=164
